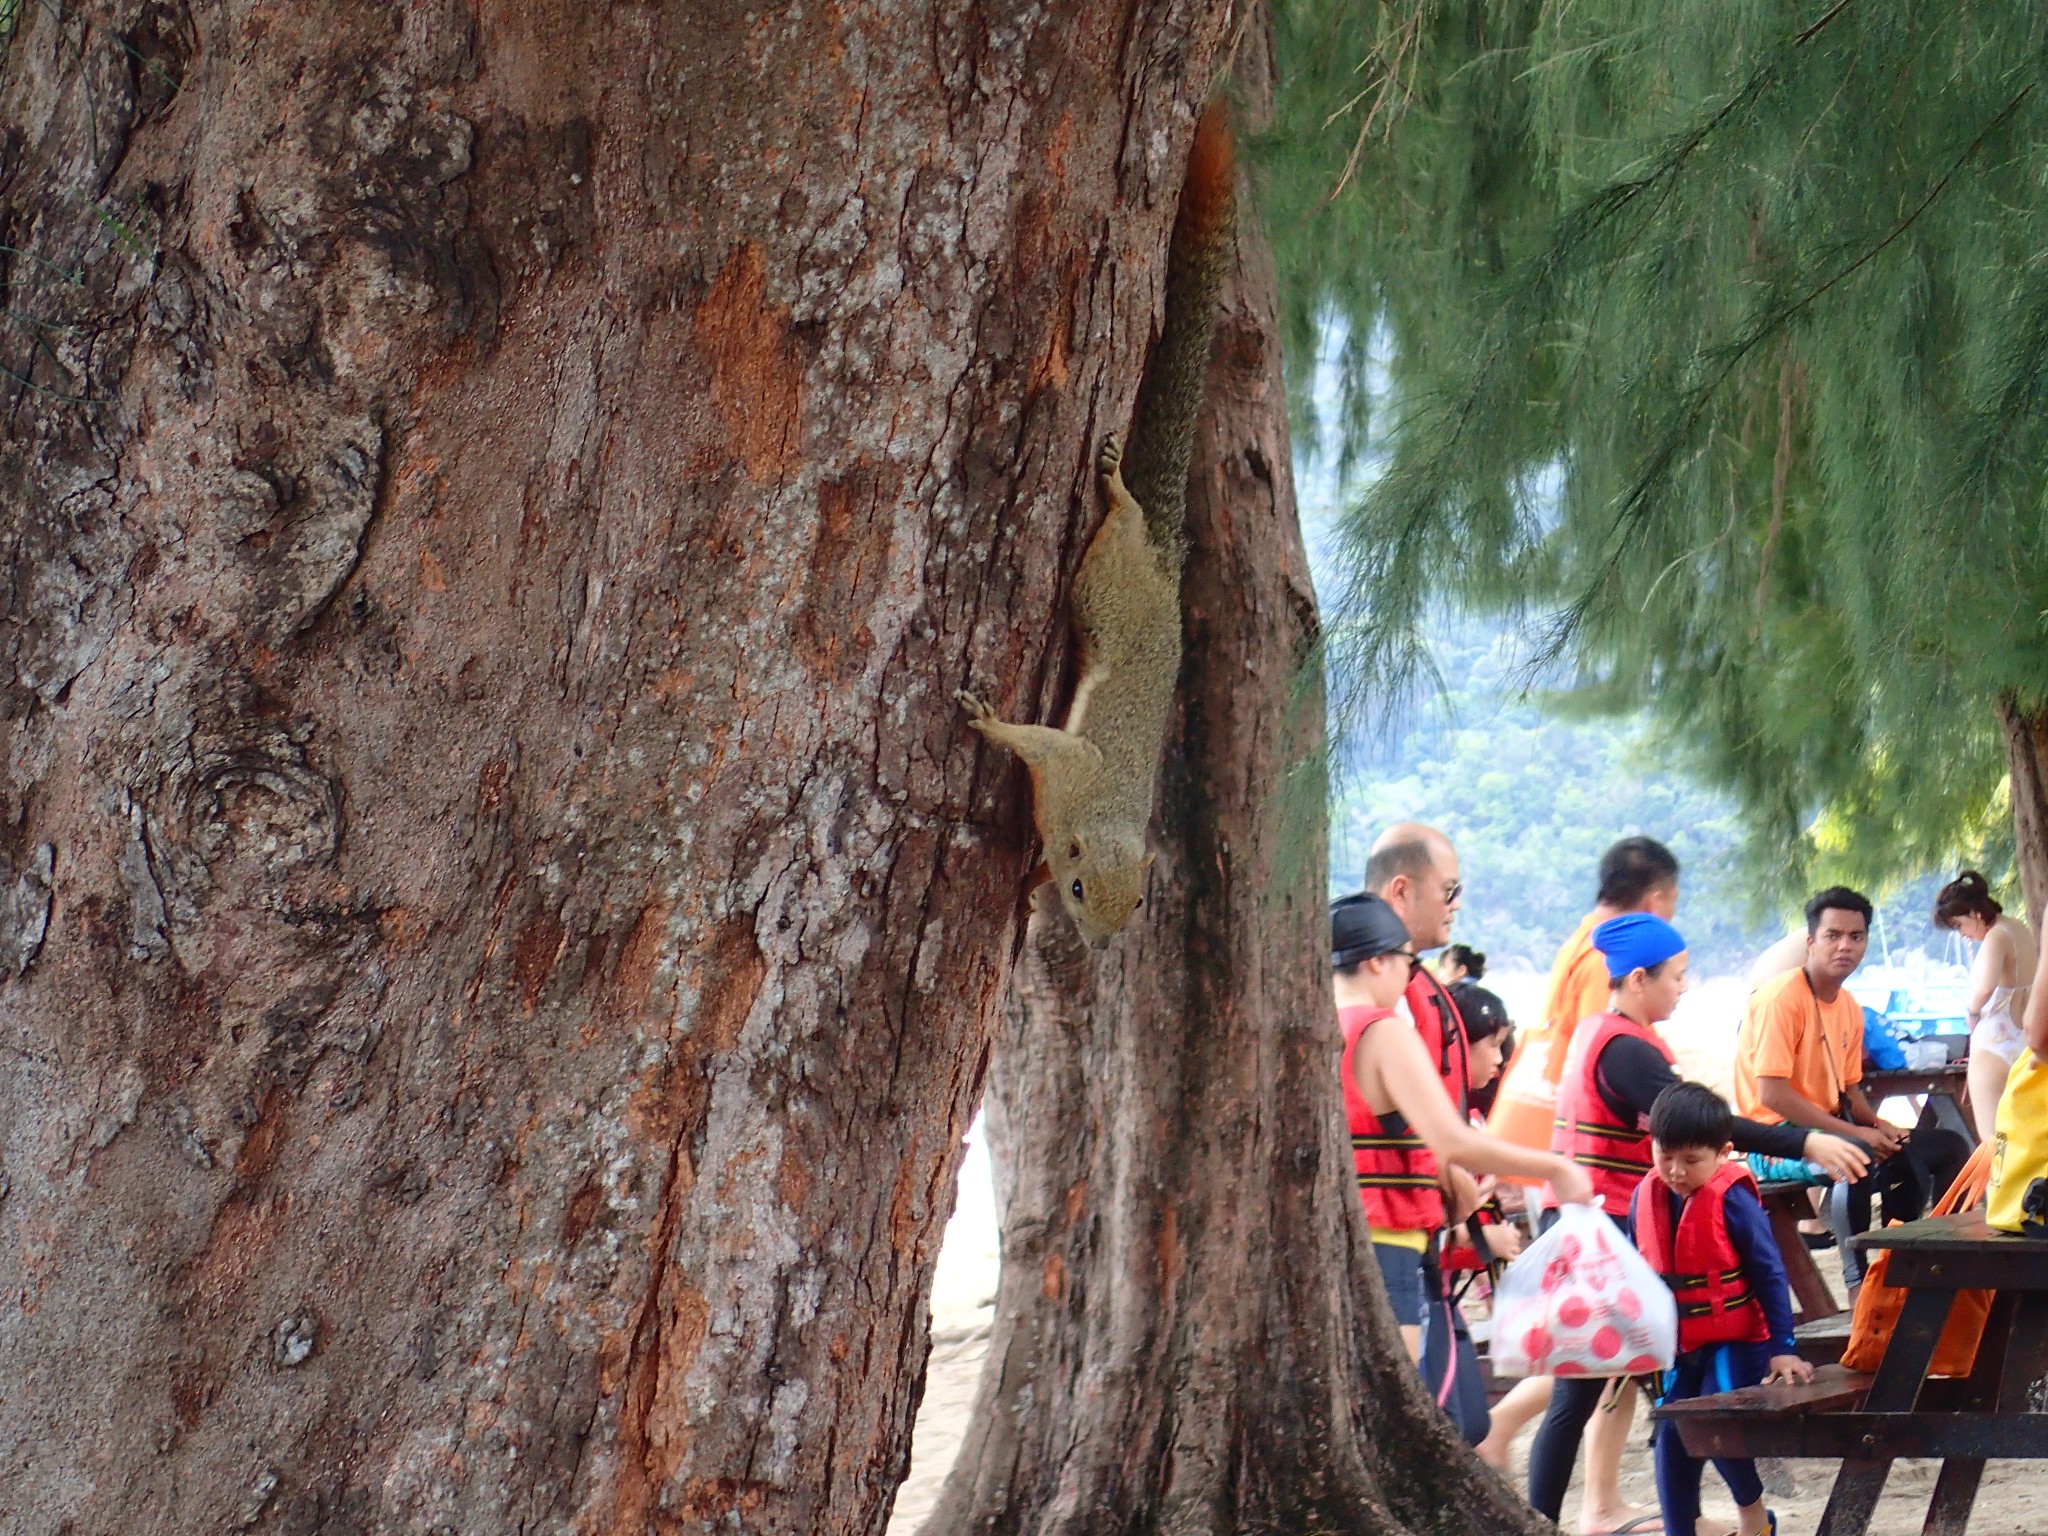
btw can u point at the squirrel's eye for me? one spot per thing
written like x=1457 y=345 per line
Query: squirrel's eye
x=1076 y=889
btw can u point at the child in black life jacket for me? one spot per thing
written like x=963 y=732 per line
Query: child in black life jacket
x=1699 y=1220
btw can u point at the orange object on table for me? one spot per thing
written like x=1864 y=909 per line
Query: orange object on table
x=1878 y=1305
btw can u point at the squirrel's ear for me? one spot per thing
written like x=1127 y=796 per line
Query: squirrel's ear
x=1150 y=855
x=1075 y=847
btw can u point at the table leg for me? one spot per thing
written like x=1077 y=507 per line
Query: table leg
x=1892 y=1390
x=1809 y=1290
x=1854 y=1500
x=1906 y=1358
x=1955 y=1491
x=2023 y=1381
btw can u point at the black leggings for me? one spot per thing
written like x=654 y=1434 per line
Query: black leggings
x=1573 y=1400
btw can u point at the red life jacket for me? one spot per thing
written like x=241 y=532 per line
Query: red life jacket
x=1699 y=1263
x=1442 y=1029
x=1614 y=1152
x=1397 y=1177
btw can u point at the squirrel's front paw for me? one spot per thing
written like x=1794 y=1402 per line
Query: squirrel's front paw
x=1111 y=459
x=975 y=706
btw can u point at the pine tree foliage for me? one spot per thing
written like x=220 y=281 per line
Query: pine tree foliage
x=1720 y=345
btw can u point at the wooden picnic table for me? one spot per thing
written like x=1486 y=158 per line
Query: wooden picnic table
x=1999 y=1410
x=1941 y=1086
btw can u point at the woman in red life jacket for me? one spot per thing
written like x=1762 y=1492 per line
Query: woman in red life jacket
x=1701 y=1224
x=1404 y=1131
x=1617 y=1066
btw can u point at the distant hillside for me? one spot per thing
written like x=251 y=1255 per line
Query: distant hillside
x=1532 y=801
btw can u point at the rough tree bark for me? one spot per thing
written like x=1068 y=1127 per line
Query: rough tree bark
x=502 y=920
x=2026 y=761
x=1184 y=1262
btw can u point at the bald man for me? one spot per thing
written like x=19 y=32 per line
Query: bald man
x=1414 y=869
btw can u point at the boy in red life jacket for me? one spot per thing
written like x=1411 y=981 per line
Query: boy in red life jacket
x=1405 y=1133
x=1617 y=1068
x=1701 y=1224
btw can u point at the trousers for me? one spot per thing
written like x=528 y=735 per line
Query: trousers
x=1701 y=1373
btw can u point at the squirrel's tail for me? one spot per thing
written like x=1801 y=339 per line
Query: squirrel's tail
x=1170 y=394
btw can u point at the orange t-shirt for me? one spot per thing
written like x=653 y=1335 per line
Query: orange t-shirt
x=1788 y=1032
x=1579 y=986
x=1526 y=1105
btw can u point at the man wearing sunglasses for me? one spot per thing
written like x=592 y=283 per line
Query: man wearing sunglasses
x=1414 y=870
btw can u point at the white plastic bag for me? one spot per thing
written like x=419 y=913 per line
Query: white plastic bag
x=1580 y=1301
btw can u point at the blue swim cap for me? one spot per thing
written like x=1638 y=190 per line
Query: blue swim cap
x=1636 y=939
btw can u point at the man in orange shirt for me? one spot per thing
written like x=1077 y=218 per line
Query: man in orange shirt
x=1799 y=1059
x=1638 y=874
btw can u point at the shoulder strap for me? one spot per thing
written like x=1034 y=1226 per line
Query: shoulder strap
x=1452 y=1025
x=1827 y=1044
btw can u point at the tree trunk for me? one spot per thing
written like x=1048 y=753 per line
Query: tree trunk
x=501 y=918
x=1190 y=1334
x=2026 y=762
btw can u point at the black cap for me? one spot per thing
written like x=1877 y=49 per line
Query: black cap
x=1363 y=927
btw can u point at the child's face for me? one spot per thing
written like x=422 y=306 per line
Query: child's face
x=1486 y=1059
x=1387 y=977
x=1687 y=1169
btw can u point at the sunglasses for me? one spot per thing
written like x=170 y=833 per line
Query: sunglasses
x=1453 y=890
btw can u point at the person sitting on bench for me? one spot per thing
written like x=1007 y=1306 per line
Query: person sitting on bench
x=1799 y=1061
x=1701 y=1224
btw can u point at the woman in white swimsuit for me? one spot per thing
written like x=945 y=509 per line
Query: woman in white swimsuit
x=1999 y=982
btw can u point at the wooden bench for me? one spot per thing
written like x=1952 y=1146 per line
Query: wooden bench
x=1822 y=1341
x=1764 y=1421
x=1867 y=1422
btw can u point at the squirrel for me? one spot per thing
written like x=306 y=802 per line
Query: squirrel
x=1093 y=778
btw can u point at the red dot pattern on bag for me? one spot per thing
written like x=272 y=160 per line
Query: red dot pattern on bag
x=1628 y=1304
x=1643 y=1365
x=1606 y=1343
x=1573 y=1312
x=1568 y=1368
x=1558 y=1271
x=1536 y=1343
